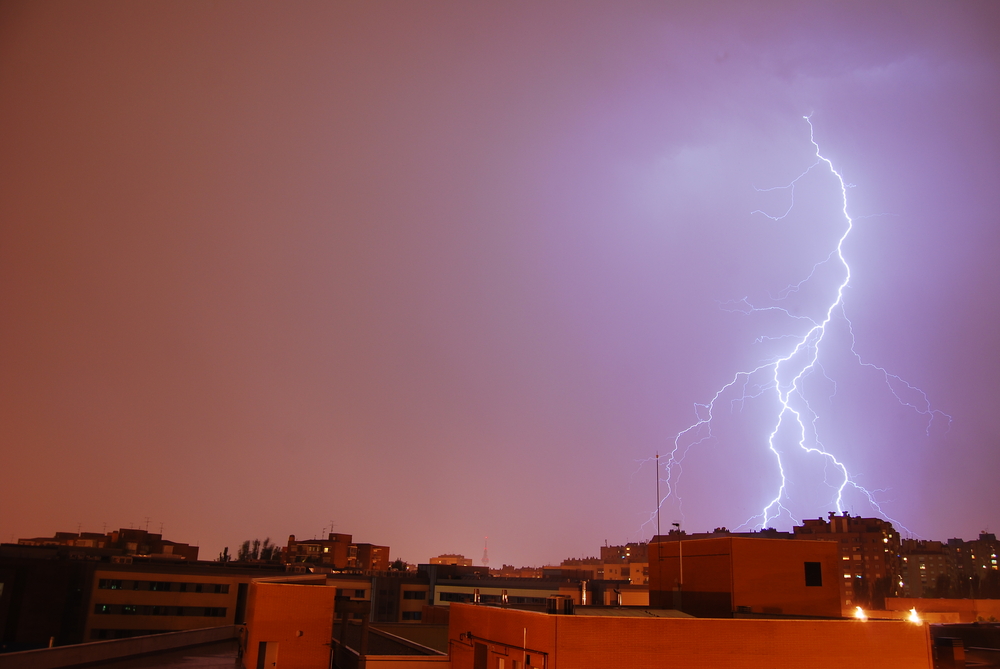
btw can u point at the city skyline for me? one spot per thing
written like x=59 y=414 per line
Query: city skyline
x=446 y=272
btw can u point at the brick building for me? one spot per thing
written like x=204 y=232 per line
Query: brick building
x=741 y=576
x=869 y=556
x=337 y=551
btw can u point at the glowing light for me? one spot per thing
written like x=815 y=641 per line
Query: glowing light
x=781 y=379
x=859 y=613
x=914 y=617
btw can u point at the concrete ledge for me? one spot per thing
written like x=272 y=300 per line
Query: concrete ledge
x=114 y=649
x=407 y=662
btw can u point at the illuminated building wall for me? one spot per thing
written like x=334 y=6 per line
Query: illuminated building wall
x=482 y=637
x=731 y=576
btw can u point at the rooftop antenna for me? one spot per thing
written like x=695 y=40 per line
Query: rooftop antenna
x=657 y=494
x=486 y=551
x=161 y=528
x=147 y=523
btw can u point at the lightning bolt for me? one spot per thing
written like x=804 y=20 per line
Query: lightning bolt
x=782 y=377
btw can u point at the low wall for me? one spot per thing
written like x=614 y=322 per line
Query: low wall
x=407 y=662
x=967 y=610
x=114 y=649
x=585 y=642
x=347 y=658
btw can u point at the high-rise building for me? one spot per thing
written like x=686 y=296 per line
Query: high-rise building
x=927 y=569
x=977 y=572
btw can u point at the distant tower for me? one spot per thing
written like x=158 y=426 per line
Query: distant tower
x=486 y=552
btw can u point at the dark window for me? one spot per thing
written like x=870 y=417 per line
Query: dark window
x=360 y=594
x=160 y=586
x=414 y=594
x=110 y=584
x=814 y=574
x=411 y=615
x=129 y=610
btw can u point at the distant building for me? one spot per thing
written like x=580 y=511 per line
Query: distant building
x=977 y=573
x=337 y=551
x=625 y=554
x=510 y=571
x=729 y=577
x=869 y=556
x=629 y=562
x=128 y=542
x=452 y=558
x=579 y=568
x=926 y=569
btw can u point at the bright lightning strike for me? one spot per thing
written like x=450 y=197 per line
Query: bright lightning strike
x=781 y=379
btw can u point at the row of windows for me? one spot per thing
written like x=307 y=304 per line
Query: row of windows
x=147 y=610
x=414 y=594
x=161 y=586
x=351 y=592
x=411 y=615
x=455 y=596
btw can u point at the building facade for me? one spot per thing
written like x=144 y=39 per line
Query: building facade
x=75 y=594
x=869 y=552
x=740 y=576
x=927 y=569
x=482 y=637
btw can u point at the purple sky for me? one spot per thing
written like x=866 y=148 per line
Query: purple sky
x=440 y=271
